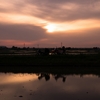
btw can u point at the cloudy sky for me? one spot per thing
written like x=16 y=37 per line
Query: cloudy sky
x=47 y=23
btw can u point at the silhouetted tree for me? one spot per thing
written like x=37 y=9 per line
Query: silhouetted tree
x=60 y=76
x=39 y=52
x=14 y=48
x=64 y=49
x=45 y=75
x=46 y=52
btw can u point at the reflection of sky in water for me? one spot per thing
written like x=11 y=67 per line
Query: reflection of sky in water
x=29 y=87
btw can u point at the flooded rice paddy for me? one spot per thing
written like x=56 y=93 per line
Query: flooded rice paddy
x=46 y=86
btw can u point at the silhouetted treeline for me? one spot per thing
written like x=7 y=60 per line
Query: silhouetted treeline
x=46 y=76
x=48 y=51
x=58 y=76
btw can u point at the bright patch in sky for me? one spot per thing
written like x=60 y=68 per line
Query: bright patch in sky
x=69 y=26
x=50 y=28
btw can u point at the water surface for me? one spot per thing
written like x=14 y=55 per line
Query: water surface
x=44 y=86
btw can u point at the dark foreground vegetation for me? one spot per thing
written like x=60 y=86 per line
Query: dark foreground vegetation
x=62 y=63
x=51 y=60
x=40 y=60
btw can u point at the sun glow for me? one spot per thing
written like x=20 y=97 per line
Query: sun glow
x=50 y=28
x=69 y=26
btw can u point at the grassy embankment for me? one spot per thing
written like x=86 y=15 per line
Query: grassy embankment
x=69 y=63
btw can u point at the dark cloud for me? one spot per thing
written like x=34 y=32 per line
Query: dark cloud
x=30 y=33
x=53 y=10
x=62 y=1
x=21 y=32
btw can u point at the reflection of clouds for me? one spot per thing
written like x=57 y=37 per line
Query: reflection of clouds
x=14 y=90
x=74 y=88
x=16 y=78
x=77 y=84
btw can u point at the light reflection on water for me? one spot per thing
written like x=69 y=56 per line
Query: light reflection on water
x=45 y=86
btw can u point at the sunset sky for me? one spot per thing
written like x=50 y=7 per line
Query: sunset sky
x=47 y=23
